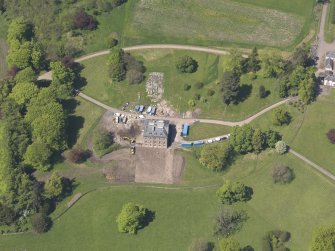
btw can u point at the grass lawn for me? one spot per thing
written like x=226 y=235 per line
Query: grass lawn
x=219 y=22
x=100 y=87
x=3 y=46
x=330 y=27
x=185 y=214
x=82 y=122
x=203 y=131
x=307 y=132
x=210 y=73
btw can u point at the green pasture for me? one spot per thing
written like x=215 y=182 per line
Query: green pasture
x=203 y=131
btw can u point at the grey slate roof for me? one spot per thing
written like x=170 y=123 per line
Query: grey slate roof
x=330 y=78
x=156 y=128
x=329 y=63
x=330 y=54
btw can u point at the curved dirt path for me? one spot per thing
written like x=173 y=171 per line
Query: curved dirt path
x=184 y=120
x=48 y=76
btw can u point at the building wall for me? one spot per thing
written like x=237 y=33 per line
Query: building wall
x=155 y=142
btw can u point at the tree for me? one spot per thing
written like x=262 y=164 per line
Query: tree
x=102 y=139
x=116 y=65
x=230 y=86
x=282 y=174
x=215 y=156
x=201 y=245
x=62 y=80
x=324 y=239
x=235 y=62
x=186 y=64
x=19 y=29
x=22 y=93
x=258 y=141
x=272 y=64
x=7 y=215
x=83 y=21
x=300 y=56
x=253 y=61
x=331 y=136
x=37 y=56
x=228 y=222
x=275 y=240
x=38 y=156
x=191 y=103
x=19 y=54
x=281 y=147
x=47 y=120
x=241 y=138
x=308 y=86
x=26 y=75
x=78 y=155
x=231 y=192
x=131 y=218
x=40 y=223
x=229 y=244
x=262 y=92
x=280 y=117
x=272 y=137
x=54 y=186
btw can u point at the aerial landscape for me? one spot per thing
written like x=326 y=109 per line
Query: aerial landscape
x=154 y=125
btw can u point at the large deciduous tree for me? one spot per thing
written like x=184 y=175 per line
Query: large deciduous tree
x=38 y=156
x=116 y=65
x=231 y=192
x=131 y=218
x=215 y=157
x=241 y=138
x=22 y=93
x=229 y=244
x=54 y=186
x=62 y=80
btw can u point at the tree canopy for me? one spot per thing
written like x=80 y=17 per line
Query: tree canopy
x=22 y=93
x=230 y=86
x=215 y=156
x=231 y=192
x=324 y=239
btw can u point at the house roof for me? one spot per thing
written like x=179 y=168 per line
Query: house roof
x=330 y=54
x=330 y=78
x=329 y=63
x=156 y=128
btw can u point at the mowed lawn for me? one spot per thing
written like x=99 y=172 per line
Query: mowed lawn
x=209 y=72
x=203 y=131
x=217 y=22
x=307 y=132
x=185 y=214
x=100 y=86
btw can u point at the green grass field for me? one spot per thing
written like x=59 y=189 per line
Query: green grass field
x=219 y=23
x=185 y=214
x=307 y=132
x=203 y=131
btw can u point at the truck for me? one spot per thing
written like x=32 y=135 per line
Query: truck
x=198 y=143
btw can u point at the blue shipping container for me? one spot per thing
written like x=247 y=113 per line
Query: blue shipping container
x=186 y=144
x=185 y=130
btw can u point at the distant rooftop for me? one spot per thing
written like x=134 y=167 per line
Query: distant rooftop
x=330 y=54
x=156 y=128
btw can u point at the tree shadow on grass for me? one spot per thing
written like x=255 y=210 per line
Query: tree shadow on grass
x=149 y=217
x=244 y=93
x=75 y=123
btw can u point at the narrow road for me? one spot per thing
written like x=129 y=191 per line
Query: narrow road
x=48 y=76
x=315 y=166
x=187 y=120
x=323 y=46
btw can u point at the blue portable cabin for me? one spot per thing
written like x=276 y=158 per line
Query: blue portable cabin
x=153 y=111
x=186 y=144
x=185 y=130
x=198 y=143
x=141 y=108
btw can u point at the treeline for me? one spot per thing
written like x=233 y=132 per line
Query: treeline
x=33 y=131
x=296 y=75
x=58 y=25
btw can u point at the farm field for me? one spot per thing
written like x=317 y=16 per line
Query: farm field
x=219 y=22
x=202 y=131
x=209 y=73
x=329 y=26
x=191 y=211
